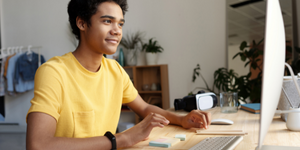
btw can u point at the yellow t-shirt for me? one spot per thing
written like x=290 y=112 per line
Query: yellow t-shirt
x=84 y=103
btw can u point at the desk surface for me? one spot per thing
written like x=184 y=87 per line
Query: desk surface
x=278 y=133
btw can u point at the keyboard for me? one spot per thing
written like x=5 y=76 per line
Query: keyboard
x=218 y=143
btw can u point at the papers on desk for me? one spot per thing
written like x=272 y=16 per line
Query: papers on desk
x=221 y=132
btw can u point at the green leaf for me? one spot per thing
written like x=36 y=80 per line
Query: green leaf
x=130 y=41
x=243 y=57
x=243 y=45
x=194 y=78
x=254 y=66
x=236 y=55
x=246 y=64
x=249 y=74
x=152 y=47
x=260 y=41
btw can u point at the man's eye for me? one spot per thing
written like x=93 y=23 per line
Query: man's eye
x=107 y=21
x=121 y=24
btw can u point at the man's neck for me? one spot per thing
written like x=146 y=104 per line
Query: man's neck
x=88 y=58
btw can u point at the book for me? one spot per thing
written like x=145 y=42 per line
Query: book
x=164 y=142
x=252 y=107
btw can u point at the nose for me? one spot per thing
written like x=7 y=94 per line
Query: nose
x=116 y=30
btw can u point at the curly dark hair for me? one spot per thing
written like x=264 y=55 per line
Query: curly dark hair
x=85 y=9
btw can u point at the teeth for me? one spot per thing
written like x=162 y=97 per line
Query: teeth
x=112 y=41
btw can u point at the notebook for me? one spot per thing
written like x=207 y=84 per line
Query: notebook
x=252 y=107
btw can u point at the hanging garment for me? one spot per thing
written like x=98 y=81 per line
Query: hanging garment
x=2 y=81
x=11 y=72
x=6 y=64
x=26 y=66
x=23 y=86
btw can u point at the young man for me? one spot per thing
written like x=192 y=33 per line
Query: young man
x=78 y=96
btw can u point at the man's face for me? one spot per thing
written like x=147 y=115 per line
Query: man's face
x=105 y=32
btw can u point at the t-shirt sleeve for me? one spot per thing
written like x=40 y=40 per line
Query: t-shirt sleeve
x=129 y=91
x=47 y=92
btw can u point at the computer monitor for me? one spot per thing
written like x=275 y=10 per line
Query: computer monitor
x=273 y=66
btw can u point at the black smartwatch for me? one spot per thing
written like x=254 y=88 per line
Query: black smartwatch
x=112 y=139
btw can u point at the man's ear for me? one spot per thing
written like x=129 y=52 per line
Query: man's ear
x=81 y=24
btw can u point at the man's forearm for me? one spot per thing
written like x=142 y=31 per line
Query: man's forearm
x=172 y=117
x=62 y=143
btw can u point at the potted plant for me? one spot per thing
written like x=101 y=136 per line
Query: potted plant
x=132 y=43
x=226 y=80
x=293 y=62
x=152 y=49
x=252 y=56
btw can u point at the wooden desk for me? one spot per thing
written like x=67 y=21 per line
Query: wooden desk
x=278 y=133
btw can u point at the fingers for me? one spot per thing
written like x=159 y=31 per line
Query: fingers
x=203 y=118
x=208 y=117
x=197 y=123
x=161 y=119
x=142 y=130
x=157 y=120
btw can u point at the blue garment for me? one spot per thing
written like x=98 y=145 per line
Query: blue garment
x=26 y=66
x=11 y=72
x=23 y=86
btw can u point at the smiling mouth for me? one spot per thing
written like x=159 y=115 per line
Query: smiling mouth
x=112 y=41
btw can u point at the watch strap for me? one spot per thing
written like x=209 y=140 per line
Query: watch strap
x=112 y=139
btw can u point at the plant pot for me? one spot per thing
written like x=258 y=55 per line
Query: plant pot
x=151 y=58
x=131 y=59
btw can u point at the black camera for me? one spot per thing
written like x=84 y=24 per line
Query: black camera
x=200 y=101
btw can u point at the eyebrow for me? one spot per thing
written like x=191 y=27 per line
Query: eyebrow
x=111 y=17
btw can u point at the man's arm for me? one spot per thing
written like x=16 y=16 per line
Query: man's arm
x=195 y=118
x=41 y=129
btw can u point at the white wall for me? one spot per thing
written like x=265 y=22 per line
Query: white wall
x=190 y=31
x=39 y=23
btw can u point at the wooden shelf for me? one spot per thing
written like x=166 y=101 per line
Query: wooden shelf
x=152 y=74
x=145 y=92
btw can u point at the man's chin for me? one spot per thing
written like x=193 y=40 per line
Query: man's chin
x=110 y=53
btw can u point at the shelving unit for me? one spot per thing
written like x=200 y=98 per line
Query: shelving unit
x=148 y=75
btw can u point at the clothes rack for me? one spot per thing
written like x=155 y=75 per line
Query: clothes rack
x=4 y=52
x=17 y=49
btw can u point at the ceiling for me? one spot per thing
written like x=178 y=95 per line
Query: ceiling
x=247 y=23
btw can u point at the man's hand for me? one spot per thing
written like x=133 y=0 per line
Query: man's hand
x=196 y=119
x=142 y=130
